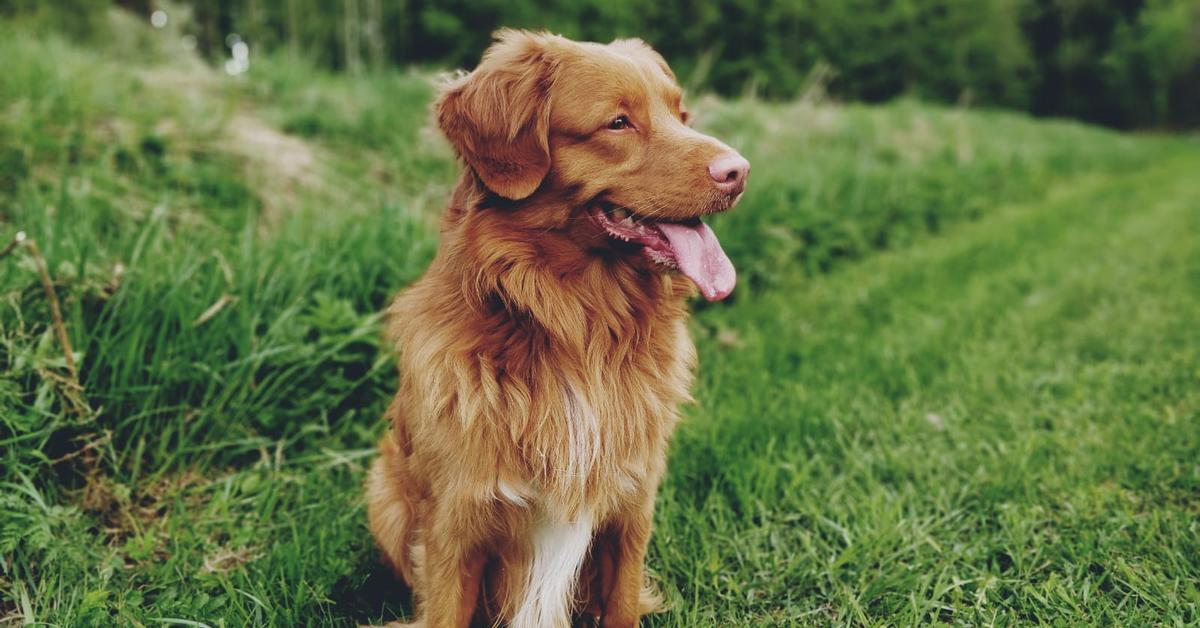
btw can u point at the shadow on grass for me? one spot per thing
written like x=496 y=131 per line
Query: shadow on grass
x=371 y=595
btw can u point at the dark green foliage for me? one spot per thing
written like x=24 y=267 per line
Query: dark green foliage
x=1124 y=63
x=78 y=19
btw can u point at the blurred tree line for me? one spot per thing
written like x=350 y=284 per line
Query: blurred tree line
x=1123 y=63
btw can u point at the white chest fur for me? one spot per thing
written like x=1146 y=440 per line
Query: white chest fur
x=558 y=549
x=583 y=433
x=559 y=542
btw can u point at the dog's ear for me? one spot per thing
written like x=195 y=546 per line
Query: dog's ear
x=498 y=116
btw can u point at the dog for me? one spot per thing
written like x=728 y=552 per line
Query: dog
x=545 y=352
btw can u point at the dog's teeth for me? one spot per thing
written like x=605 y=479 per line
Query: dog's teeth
x=620 y=214
x=628 y=222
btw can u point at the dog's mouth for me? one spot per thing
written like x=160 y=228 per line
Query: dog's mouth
x=688 y=246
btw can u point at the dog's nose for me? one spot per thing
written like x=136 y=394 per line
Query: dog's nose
x=729 y=172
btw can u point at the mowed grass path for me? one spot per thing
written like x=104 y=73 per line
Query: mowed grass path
x=999 y=425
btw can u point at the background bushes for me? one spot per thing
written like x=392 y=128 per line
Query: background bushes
x=1123 y=63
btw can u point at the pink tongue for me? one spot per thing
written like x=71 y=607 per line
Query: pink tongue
x=701 y=258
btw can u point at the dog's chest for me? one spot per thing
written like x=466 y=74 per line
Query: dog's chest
x=606 y=437
x=588 y=451
x=590 y=427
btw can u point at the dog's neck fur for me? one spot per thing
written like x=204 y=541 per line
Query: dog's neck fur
x=543 y=276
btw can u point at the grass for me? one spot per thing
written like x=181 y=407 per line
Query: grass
x=959 y=382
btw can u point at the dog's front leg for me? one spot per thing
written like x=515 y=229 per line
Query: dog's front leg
x=627 y=544
x=454 y=563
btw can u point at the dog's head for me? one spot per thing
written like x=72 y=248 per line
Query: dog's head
x=592 y=141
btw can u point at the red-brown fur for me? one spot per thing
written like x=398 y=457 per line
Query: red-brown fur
x=528 y=318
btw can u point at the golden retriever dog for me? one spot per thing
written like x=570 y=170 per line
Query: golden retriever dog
x=544 y=353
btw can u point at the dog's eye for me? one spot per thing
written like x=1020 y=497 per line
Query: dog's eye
x=619 y=123
x=684 y=117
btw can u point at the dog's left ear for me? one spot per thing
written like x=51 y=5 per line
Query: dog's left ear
x=498 y=117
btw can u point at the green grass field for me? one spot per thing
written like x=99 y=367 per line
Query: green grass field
x=959 y=381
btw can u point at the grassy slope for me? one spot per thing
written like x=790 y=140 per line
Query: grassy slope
x=995 y=420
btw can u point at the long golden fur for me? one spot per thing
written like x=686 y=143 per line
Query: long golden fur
x=541 y=358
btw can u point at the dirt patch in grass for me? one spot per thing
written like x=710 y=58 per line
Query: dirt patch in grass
x=280 y=165
x=226 y=559
x=123 y=511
